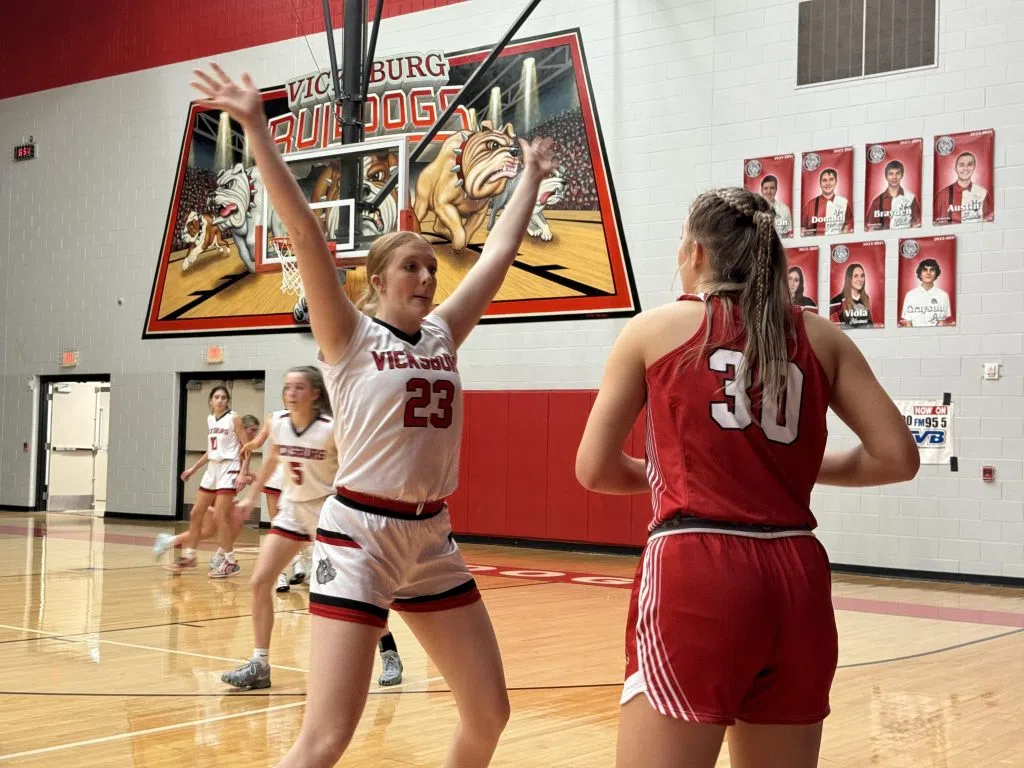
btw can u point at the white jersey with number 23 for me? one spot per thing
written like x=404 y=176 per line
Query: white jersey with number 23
x=397 y=402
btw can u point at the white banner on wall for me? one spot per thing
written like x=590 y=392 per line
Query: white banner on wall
x=931 y=423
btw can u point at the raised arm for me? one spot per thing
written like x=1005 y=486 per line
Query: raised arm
x=332 y=317
x=464 y=308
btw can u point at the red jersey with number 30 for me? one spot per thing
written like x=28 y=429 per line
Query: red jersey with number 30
x=397 y=402
x=713 y=451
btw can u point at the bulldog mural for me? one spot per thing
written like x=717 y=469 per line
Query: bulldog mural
x=572 y=263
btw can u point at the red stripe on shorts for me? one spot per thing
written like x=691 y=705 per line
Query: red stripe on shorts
x=331 y=607
x=288 y=534
x=464 y=594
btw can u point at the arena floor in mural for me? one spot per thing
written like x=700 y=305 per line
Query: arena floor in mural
x=111 y=661
x=574 y=263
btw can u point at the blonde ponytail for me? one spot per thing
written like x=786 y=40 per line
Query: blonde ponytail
x=748 y=264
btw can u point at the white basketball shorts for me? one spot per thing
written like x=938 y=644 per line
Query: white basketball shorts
x=275 y=481
x=220 y=477
x=372 y=555
x=297 y=520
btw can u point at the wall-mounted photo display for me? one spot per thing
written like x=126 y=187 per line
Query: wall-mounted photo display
x=892 y=185
x=826 y=192
x=964 y=184
x=772 y=178
x=927 y=281
x=857 y=284
x=802 y=275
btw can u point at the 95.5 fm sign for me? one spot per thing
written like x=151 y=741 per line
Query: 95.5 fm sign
x=931 y=424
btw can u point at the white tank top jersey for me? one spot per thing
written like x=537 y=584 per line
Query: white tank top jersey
x=223 y=443
x=308 y=459
x=397 y=402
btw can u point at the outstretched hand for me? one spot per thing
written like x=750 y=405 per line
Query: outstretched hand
x=539 y=156
x=241 y=101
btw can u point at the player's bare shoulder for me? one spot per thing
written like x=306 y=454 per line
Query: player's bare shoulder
x=661 y=329
x=827 y=340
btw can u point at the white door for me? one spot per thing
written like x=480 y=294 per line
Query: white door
x=77 y=429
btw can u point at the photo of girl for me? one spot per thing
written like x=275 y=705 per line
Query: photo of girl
x=802 y=275
x=858 y=285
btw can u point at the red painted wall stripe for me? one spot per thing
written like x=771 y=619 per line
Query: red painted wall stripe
x=518 y=472
x=49 y=47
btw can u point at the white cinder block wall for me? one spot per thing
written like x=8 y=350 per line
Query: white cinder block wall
x=685 y=91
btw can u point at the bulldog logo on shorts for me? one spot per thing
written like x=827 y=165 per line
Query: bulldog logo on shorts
x=325 y=572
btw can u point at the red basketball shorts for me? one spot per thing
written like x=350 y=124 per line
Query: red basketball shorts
x=724 y=627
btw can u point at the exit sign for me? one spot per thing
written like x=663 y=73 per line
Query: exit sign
x=25 y=151
x=215 y=353
x=69 y=358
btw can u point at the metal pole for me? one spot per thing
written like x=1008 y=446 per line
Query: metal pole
x=329 y=26
x=368 y=62
x=470 y=83
x=352 y=101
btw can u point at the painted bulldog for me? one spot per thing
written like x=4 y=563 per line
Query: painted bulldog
x=238 y=199
x=376 y=170
x=470 y=169
x=200 y=231
x=551 y=192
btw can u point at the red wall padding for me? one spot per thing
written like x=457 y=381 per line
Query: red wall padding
x=54 y=44
x=518 y=478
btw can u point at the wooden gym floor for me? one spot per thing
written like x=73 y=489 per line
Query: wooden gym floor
x=109 y=660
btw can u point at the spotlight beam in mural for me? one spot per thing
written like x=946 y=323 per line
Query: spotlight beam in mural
x=425 y=142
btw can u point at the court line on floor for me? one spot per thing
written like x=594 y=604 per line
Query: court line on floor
x=85 y=637
x=150 y=731
x=856 y=604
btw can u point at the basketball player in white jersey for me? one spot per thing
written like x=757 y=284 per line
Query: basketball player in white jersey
x=272 y=490
x=384 y=540
x=225 y=434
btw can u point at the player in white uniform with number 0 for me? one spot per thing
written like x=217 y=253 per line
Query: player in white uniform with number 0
x=225 y=435
x=385 y=541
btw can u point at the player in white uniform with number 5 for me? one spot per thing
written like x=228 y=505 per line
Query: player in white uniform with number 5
x=391 y=372
x=272 y=490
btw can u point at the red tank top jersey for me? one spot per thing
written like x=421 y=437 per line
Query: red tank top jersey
x=713 y=452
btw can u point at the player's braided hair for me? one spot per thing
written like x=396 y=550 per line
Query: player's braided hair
x=747 y=261
x=322 y=404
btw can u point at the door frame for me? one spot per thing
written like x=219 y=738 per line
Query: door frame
x=179 y=460
x=42 y=447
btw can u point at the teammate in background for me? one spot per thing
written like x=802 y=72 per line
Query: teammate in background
x=895 y=207
x=225 y=434
x=927 y=305
x=272 y=490
x=302 y=445
x=385 y=540
x=731 y=620
x=828 y=213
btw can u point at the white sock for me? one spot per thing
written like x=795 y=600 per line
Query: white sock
x=262 y=655
x=229 y=555
x=188 y=552
x=220 y=550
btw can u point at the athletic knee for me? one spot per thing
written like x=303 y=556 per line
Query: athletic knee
x=326 y=746
x=489 y=718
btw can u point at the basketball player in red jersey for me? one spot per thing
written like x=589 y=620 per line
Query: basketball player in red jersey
x=384 y=540
x=731 y=621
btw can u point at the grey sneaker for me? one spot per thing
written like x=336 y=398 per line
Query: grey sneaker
x=216 y=560
x=252 y=674
x=282 y=583
x=390 y=668
x=162 y=543
x=225 y=569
